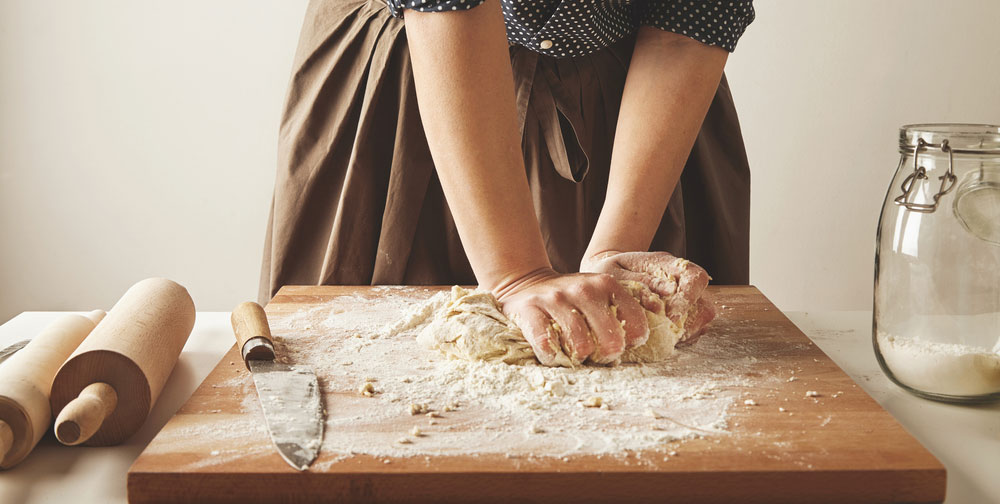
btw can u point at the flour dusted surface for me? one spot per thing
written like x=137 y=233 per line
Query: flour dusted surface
x=492 y=407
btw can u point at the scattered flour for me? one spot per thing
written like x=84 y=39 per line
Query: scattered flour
x=941 y=368
x=477 y=407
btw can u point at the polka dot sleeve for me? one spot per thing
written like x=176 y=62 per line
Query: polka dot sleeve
x=717 y=23
x=397 y=6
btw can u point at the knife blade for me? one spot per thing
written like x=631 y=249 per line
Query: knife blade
x=289 y=395
x=12 y=349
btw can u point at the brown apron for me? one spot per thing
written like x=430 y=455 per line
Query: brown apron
x=357 y=200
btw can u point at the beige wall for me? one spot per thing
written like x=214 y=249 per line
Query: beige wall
x=137 y=138
x=822 y=88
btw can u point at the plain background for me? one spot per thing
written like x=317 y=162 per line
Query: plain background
x=138 y=138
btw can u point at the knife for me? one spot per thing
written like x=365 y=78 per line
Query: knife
x=289 y=395
x=11 y=350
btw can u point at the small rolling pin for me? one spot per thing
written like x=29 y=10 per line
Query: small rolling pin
x=25 y=381
x=104 y=392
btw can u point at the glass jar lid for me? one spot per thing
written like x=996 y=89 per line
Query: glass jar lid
x=976 y=204
x=982 y=139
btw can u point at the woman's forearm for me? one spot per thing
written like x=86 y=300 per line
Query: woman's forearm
x=465 y=91
x=670 y=85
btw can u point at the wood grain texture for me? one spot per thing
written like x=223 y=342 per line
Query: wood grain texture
x=26 y=379
x=133 y=351
x=862 y=456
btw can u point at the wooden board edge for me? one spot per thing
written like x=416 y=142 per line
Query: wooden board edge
x=745 y=487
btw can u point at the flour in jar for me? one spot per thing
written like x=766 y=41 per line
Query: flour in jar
x=941 y=368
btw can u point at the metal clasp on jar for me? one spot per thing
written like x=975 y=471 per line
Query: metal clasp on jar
x=920 y=173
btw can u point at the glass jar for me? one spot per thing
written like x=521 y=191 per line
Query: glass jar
x=937 y=264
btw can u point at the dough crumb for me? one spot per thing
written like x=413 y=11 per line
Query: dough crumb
x=652 y=413
x=750 y=402
x=593 y=402
x=418 y=409
x=367 y=389
x=416 y=432
x=433 y=414
x=536 y=430
x=404 y=440
x=812 y=393
x=791 y=379
x=781 y=410
x=555 y=389
x=672 y=453
x=452 y=406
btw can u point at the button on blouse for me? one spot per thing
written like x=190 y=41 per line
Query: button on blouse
x=565 y=28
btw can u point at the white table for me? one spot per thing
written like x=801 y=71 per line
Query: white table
x=965 y=438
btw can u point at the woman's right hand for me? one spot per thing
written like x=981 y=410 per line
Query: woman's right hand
x=569 y=319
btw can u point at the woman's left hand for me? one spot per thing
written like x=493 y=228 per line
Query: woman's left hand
x=679 y=285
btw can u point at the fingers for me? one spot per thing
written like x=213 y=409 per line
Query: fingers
x=632 y=319
x=537 y=329
x=574 y=334
x=698 y=319
x=647 y=298
x=665 y=274
x=572 y=319
x=596 y=298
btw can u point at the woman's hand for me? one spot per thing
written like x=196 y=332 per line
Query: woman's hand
x=569 y=319
x=679 y=285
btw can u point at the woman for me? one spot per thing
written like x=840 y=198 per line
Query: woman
x=513 y=143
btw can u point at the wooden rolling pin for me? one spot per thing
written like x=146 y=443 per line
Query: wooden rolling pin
x=25 y=381
x=104 y=392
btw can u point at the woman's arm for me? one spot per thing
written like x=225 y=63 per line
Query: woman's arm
x=465 y=92
x=670 y=85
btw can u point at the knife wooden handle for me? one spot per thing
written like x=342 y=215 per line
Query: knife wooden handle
x=253 y=336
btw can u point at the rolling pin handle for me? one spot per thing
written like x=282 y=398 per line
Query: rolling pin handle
x=6 y=439
x=253 y=335
x=83 y=416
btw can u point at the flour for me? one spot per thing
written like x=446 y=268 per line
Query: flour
x=941 y=368
x=477 y=408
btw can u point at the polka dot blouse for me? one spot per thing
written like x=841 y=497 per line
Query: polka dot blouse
x=564 y=28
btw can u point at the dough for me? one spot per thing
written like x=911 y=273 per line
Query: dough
x=467 y=324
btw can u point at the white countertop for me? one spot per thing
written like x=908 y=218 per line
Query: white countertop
x=966 y=439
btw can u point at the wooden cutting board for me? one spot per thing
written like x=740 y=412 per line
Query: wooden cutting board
x=840 y=447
